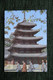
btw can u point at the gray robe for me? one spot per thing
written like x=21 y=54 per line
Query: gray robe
x=18 y=67
x=46 y=67
x=31 y=67
x=43 y=67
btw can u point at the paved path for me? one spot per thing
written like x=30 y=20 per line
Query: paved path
x=12 y=68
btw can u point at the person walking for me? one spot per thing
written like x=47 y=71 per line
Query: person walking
x=43 y=66
x=46 y=66
x=24 y=69
x=18 y=67
x=30 y=66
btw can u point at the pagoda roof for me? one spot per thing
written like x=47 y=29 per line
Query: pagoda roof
x=25 y=23
x=29 y=55
x=27 y=31
x=29 y=38
x=28 y=46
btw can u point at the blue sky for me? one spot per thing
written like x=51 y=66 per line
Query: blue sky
x=37 y=14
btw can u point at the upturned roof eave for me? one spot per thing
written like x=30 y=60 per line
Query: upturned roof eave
x=26 y=24
x=29 y=55
x=28 y=38
x=26 y=31
x=29 y=46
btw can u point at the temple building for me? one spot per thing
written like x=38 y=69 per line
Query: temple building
x=24 y=45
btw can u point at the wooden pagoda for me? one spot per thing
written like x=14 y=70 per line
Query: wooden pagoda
x=25 y=46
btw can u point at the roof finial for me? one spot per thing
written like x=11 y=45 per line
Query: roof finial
x=24 y=15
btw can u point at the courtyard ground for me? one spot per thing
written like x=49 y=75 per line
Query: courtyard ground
x=13 y=68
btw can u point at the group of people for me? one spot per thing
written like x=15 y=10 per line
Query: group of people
x=31 y=66
x=44 y=66
x=24 y=68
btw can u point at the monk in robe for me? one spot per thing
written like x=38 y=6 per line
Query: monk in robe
x=24 y=69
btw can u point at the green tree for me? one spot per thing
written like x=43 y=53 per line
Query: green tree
x=10 y=20
x=12 y=17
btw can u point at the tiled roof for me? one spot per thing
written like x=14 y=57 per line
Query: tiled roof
x=29 y=38
x=29 y=55
x=25 y=23
x=28 y=46
x=27 y=31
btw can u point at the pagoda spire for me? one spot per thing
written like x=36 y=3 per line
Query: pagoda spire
x=24 y=15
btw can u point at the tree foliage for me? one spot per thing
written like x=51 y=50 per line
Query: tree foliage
x=33 y=18
x=7 y=27
x=11 y=37
x=42 y=11
x=10 y=20
x=44 y=31
x=25 y=11
x=44 y=50
x=12 y=17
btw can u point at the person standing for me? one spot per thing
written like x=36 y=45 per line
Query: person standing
x=30 y=66
x=18 y=67
x=24 y=69
x=43 y=66
x=46 y=66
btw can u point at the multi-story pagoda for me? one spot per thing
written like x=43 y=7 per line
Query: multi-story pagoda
x=25 y=47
